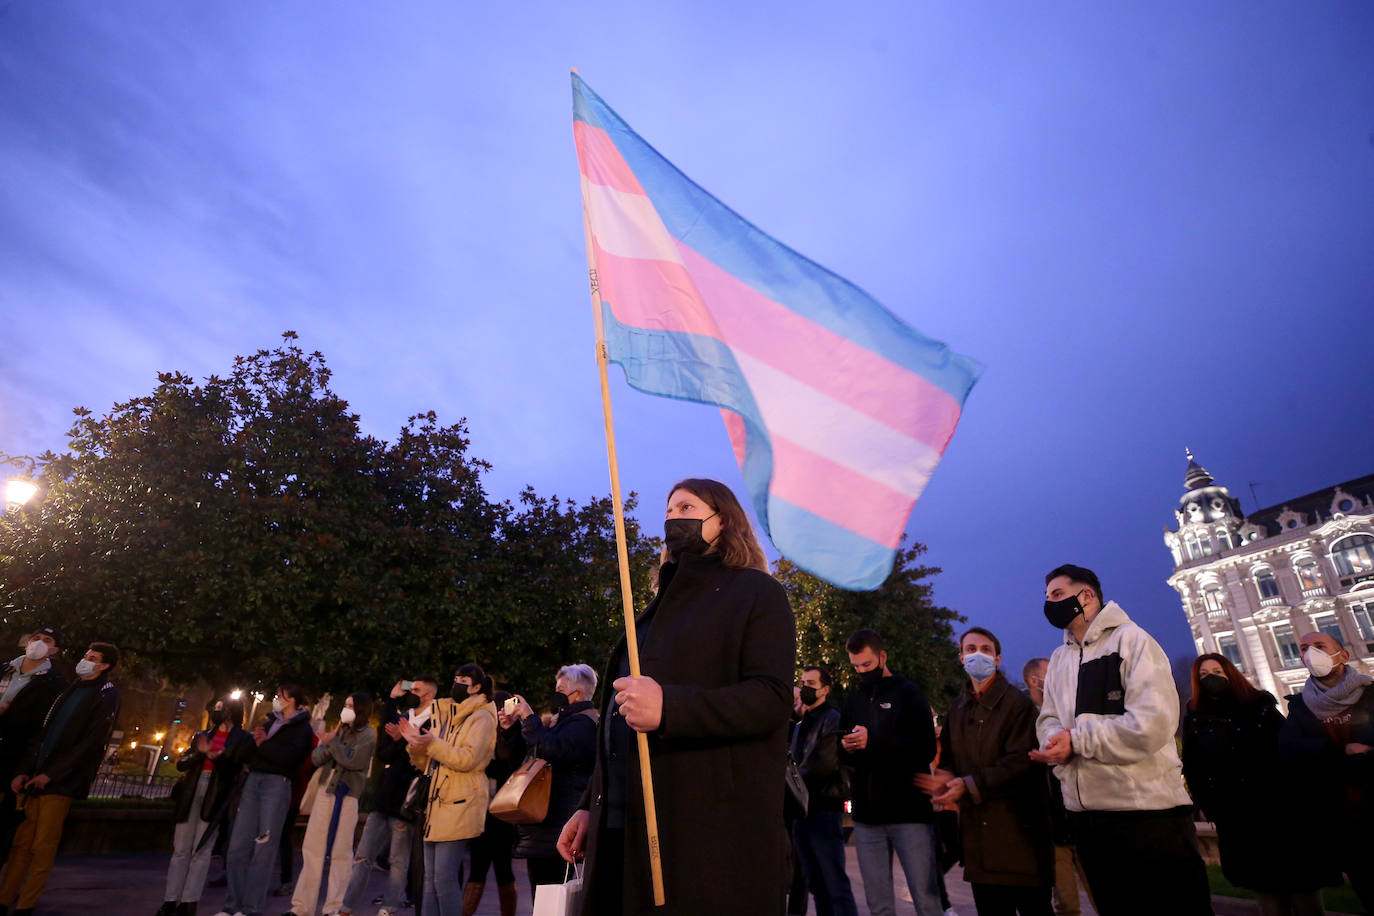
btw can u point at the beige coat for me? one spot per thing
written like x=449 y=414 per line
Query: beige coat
x=464 y=740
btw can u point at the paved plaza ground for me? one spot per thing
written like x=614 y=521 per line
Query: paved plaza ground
x=131 y=885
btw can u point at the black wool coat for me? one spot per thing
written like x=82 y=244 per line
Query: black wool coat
x=1004 y=820
x=722 y=644
x=1231 y=764
x=569 y=746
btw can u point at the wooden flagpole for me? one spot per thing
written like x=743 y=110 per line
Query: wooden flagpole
x=622 y=550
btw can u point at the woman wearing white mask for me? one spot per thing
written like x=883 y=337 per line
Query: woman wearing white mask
x=1328 y=741
x=343 y=756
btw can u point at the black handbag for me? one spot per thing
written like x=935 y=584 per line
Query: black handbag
x=798 y=797
x=417 y=799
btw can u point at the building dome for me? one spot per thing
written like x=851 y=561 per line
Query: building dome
x=1203 y=501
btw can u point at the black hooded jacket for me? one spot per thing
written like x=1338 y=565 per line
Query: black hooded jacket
x=85 y=715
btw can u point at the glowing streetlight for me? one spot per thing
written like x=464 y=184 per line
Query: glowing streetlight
x=133 y=745
x=19 y=491
x=236 y=694
x=159 y=736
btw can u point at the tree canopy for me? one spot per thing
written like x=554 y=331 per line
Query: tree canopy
x=919 y=635
x=243 y=531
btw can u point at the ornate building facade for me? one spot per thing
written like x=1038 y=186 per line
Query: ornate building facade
x=1251 y=585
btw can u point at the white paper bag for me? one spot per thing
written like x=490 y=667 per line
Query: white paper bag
x=559 y=899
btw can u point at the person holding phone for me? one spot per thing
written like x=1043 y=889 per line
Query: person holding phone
x=569 y=746
x=454 y=752
x=494 y=848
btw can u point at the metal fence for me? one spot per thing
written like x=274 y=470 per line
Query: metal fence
x=120 y=785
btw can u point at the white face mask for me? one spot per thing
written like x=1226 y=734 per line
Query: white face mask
x=1318 y=662
x=85 y=668
x=346 y=716
x=36 y=651
x=277 y=705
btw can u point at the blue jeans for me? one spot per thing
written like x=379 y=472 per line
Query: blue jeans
x=380 y=832
x=253 y=844
x=443 y=877
x=819 y=841
x=915 y=847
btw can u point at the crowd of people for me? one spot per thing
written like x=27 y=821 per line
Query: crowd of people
x=1079 y=781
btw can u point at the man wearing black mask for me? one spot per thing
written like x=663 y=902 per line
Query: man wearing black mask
x=1107 y=727
x=890 y=738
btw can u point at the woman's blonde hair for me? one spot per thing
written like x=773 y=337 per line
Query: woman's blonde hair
x=737 y=545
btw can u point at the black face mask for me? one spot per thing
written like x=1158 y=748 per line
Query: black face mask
x=871 y=676
x=460 y=691
x=559 y=702
x=1061 y=613
x=217 y=717
x=407 y=700
x=683 y=535
x=1215 y=687
x=808 y=696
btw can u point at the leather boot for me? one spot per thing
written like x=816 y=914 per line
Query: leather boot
x=472 y=895
x=168 y=908
x=186 y=908
x=508 y=895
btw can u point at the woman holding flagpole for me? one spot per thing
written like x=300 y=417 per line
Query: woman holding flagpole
x=717 y=648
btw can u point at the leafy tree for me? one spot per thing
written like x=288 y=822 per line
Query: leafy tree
x=243 y=531
x=919 y=634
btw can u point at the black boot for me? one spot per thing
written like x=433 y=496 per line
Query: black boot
x=168 y=908
x=186 y=908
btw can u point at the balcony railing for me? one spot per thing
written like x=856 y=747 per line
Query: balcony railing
x=1319 y=591
x=1275 y=601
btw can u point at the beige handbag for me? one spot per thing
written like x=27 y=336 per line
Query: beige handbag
x=524 y=799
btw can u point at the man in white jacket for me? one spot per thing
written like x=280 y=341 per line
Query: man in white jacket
x=1107 y=727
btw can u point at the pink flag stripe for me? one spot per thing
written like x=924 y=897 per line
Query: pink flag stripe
x=667 y=296
x=838 y=494
x=601 y=162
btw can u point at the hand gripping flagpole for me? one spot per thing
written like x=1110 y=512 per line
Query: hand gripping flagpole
x=626 y=595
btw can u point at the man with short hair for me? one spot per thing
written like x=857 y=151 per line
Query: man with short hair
x=1328 y=739
x=1000 y=793
x=818 y=837
x=58 y=767
x=889 y=738
x=1068 y=868
x=28 y=686
x=1107 y=727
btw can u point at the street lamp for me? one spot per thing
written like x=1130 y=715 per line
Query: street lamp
x=19 y=491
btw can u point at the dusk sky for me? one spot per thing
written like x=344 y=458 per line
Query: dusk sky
x=1152 y=224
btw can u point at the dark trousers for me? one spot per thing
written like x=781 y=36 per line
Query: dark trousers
x=1011 y=900
x=492 y=850
x=1142 y=863
x=818 y=839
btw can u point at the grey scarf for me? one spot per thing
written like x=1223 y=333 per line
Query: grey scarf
x=1326 y=702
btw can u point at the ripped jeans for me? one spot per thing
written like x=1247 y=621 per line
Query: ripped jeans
x=381 y=833
x=253 y=844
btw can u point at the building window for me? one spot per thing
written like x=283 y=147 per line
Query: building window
x=1289 y=656
x=1309 y=576
x=1353 y=555
x=1228 y=647
x=1328 y=624
x=1266 y=583
x=1346 y=505
x=1364 y=619
x=1224 y=539
x=1211 y=595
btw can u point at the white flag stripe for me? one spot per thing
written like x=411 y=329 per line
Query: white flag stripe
x=836 y=431
x=627 y=224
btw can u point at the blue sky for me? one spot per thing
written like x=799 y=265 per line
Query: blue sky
x=1151 y=223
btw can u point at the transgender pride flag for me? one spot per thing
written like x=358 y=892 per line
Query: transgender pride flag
x=838 y=412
